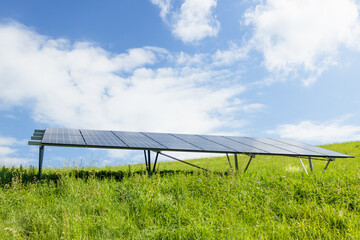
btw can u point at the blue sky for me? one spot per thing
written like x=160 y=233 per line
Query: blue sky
x=274 y=68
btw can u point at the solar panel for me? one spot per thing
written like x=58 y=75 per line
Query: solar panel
x=296 y=149
x=172 y=142
x=61 y=136
x=102 y=138
x=62 y=131
x=321 y=151
x=262 y=146
x=203 y=143
x=138 y=140
x=63 y=140
x=237 y=146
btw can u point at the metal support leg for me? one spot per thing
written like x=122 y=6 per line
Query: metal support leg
x=303 y=165
x=149 y=163
x=227 y=155
x=156 y=158
x=146 y=161
x=251 y=157
x=41 y=157
x=311 y=165
x=327 y=164
x=236 y=162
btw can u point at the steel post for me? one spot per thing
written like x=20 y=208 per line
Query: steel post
x=310 y=163
x=327 y=164
x=303 y=165
x=41 y=157
x=227 y=155
x=149 y=163
x=146 y=161
x=251 y=157
x=156 y=158
x=236 y=162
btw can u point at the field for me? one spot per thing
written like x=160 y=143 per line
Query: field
x=275 y=199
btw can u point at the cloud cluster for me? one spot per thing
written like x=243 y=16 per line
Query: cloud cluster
x=192 y=21
x=5 y=144
x=303 y=36
x=319 y=132
x=231 y=55
x=82 y=85
x=8 y=154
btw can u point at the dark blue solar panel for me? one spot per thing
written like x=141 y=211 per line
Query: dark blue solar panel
x=203 y=143
x=321 y=151
x=102 y=138
x=298 y=150
x=237 y=146
x=262 y=146
x=172 y=142
x=62 y=131
x=138 y=140
x=63 y=137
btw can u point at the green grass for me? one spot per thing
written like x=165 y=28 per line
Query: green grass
x=275 y=199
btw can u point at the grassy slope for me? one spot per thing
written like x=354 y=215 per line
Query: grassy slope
x=273 y=200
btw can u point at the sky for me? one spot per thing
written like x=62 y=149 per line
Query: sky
x=271 y=68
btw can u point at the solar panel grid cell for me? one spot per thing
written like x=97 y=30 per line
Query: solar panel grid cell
x=63 y=137
x=172 y=142
x=203 y=143
x=296 y=149
x=321 y=151
x=262 y=146
x=138 y=140
x=62 y=131
x=102 y=138
x=237 y=146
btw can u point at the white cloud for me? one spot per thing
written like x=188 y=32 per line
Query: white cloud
x=253 y=107
x=319 y=132
x=7 y=141
x=229 y=56
x=8 y=154
x=190 y=60
x=303 y=36
x=193 y=22
x=4 y=151
x=82 y=85
x=164 y=6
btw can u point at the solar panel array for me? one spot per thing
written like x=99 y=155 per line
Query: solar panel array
x=182 y=142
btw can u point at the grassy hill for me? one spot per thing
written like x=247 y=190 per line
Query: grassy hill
x=275 y=199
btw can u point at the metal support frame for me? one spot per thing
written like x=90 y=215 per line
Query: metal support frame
x=302 y=165
x=156 y=158
x=149 y=163
x=327 y=164
x=311 y=165
x=236 y=162
x=183 y=161
x=41 y=158
x=251 y=157
x=147 y=156
x=228 y=158
x=146 y=161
